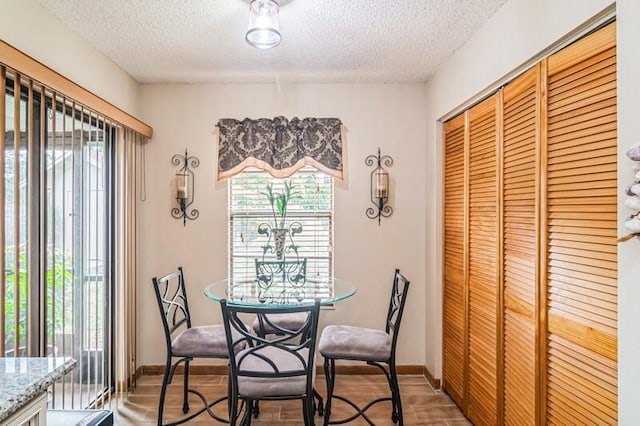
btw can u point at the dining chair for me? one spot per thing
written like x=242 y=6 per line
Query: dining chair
x=281 y=368
x=373 y=346
x=185 y=342
x=291 y=273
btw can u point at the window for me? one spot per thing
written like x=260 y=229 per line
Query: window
x=312 y=208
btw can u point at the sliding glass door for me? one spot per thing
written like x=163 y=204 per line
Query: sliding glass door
x=57 y=231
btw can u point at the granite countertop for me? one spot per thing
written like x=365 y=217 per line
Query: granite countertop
x=23 y=379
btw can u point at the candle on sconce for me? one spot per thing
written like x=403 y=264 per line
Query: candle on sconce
x=183 y=189
x=382 y=185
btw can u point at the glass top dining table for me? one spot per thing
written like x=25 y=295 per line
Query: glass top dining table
x=278 y=294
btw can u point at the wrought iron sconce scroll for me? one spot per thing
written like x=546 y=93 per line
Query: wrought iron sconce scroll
x=185 y=186
x=379 y=186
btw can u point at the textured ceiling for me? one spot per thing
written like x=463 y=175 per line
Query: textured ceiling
x=190 y=41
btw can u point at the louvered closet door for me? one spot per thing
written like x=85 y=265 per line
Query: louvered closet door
x=581 y=232
x=520 y=136
x=483 y=267
x=454 y=300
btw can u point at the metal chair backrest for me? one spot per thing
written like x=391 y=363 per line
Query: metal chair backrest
x=399 y=292
x=292 y=272
x=172 y=302
x=288 y=343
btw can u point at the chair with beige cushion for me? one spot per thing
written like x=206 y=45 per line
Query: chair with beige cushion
x=291 y=273
x=280 y=368
x=373 y=346
x=185 y=342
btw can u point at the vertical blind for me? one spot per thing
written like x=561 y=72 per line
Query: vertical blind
x=129 y=185
x=56 y=232
x=311 y=207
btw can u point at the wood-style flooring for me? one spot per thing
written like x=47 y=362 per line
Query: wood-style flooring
x=421 y=404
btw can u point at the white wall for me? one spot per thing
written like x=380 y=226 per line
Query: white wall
x=28 y=27
x=517 y=32
x=387 y=116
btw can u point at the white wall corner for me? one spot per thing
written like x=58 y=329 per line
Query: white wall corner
x=30 y=28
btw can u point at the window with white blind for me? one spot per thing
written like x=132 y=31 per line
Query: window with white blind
x=311 y=206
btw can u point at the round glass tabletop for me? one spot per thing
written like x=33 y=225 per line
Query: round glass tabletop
x=277 y=294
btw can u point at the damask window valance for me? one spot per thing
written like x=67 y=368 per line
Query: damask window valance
x=280 y=146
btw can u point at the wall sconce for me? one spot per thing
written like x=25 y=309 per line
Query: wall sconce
x=185 y=186
x=379 y=185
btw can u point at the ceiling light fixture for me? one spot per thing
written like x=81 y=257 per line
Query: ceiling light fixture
x=263 y=32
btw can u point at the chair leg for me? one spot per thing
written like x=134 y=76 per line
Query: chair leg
x=320 y=407
x=163 y=390
x=308 y=411
x=233 y=407
x=185 y=395
x=396 y=415
x=246 y=419
x=305 y=415
x=330 y=375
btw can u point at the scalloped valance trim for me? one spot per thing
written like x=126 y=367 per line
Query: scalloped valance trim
x=280 y=146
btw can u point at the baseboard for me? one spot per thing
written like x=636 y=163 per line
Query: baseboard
x=435 y=383
x=137 y=374
x=220 y=370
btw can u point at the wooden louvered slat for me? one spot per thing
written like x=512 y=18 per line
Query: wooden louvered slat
x=581 y=214
x=519 y=369
x=519 y=282
x=454 y=309
x=599 y=72
x=483 y=268
x=584 y=378
x=581 y=52
x=564 y=77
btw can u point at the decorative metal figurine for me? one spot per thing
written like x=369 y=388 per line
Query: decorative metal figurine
x=379 y=186
x=185 y=186
x=278 y=237
x=287 y=271
x=281 y=280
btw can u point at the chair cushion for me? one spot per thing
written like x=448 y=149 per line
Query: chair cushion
x=355 y=343
x=292 y=321
x=205 y=341
x=272 y=386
